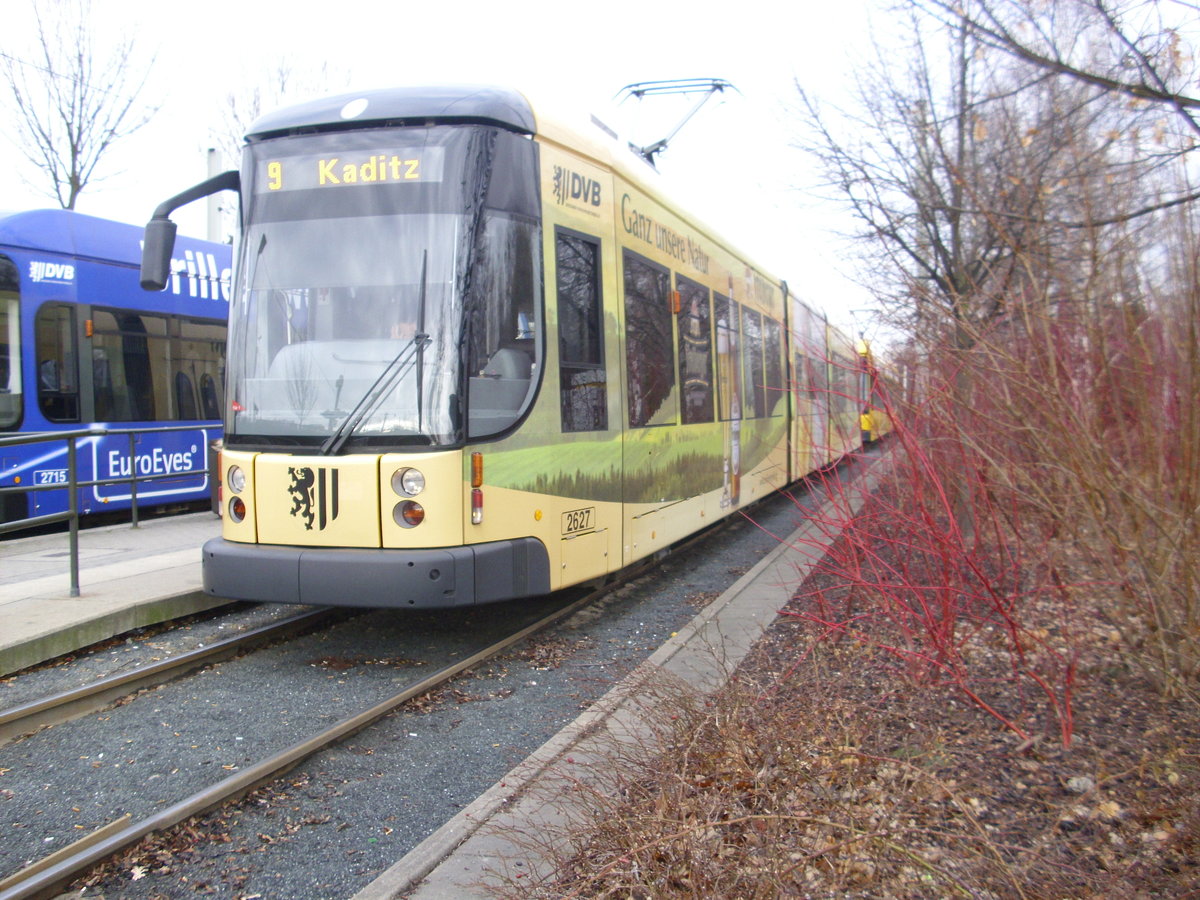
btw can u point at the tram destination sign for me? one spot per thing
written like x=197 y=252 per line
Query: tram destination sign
x=412 y=165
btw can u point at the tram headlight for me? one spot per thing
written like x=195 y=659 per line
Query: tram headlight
x=237 y=509
x=408 y=513
x=408 y=482
x=236 y=479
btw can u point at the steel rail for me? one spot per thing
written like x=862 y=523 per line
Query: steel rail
x=45 y=878
x=72 y=704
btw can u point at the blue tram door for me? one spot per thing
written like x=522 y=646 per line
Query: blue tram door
x=12 y=505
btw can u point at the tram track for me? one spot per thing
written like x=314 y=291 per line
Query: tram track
x=45 y=877
x=64 y=706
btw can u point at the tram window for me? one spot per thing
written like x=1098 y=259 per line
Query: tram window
x=504 y=313
x=818 y=382
x=755 y=402
x=583 y=380
x=773 y=347
x=210 y=403
x=149 y=368
x=839 y=398
x=198 y=355
x=850 y=405
x=650 y=356
x=153 y=373
x=727 y=314
x=695 y=352
x=10 y=346
x=799 y=381
x=185 y=397
x=123 y=335
x=57 y=367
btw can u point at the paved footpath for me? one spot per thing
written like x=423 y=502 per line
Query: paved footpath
x=500 y=839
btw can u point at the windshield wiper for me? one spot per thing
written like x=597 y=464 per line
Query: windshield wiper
x=392 y=372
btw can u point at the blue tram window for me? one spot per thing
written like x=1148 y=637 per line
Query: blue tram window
x=10 y=345
x=185 y=397
x=209 y=403
x=57 y=369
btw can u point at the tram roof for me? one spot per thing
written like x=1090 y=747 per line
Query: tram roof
x=470 y=103
x=66 y=231
x=443 y=103
x=75 y=234
x=454 y=104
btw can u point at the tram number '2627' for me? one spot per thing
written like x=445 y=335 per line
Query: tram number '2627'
x=578 y=520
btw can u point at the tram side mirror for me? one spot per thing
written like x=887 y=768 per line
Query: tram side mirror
x=160 y=232
x=156 y=253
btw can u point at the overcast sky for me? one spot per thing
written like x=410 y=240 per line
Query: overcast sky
x=733 y=164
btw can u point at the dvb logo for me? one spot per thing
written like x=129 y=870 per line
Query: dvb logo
x=570 y=185
x=45 y=271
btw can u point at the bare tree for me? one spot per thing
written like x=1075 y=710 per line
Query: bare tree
x=71 y=103
x=1023 y=186
x=283 y=83
x=1130 y=49
x=971 y=173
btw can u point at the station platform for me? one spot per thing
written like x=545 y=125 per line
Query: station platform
x=128 y=578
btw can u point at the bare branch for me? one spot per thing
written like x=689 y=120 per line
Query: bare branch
x=972 y=183
x=989 y=28
x=70 y=105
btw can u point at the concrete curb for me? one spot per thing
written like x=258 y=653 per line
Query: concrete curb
x=105 y=623
x=535 y=798
x=129 y=578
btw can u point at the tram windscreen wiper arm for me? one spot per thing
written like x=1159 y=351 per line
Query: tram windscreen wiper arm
x=393 y=371
x=387 y=379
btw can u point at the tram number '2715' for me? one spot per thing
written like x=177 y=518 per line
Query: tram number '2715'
x=578 y=520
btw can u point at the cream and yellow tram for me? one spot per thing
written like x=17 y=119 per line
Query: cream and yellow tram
x=476 y=356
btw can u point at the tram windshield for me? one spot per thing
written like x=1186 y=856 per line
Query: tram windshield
x=381 y=274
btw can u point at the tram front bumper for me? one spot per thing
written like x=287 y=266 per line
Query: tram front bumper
x=454 y=576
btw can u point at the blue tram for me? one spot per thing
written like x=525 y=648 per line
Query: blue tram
x=81 y=343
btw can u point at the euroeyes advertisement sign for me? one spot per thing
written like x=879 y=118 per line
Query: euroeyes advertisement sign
x=176 y=460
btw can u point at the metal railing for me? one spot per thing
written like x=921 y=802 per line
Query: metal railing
x=73 y=485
